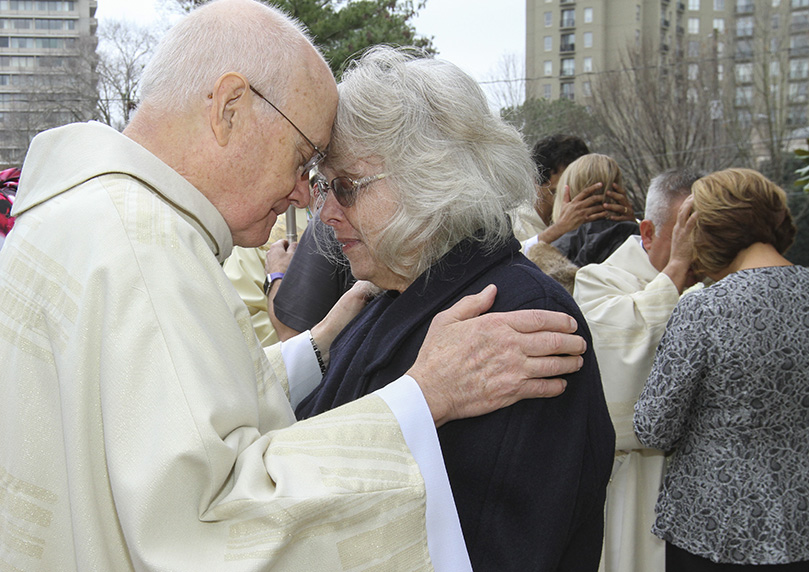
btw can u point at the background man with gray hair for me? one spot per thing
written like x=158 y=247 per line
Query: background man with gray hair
x=627 y=301
x=142 y=426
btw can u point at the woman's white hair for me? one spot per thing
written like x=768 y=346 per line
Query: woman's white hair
x=457 y=170
x=244 y=36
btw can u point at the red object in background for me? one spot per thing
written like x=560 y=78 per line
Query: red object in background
x=9 y=180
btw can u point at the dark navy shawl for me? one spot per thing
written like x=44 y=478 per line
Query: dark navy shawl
x=529 y=480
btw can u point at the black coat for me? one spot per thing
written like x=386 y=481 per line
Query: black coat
x=594 y=242
x=529 y=481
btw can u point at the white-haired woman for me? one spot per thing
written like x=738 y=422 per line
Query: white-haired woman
x=418 y=185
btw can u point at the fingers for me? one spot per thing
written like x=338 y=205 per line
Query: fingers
x=468 y=307
x=685 y=209
x=534 y=321
x=538 y=388
x=279 y=255
x=589 y=192
x=566 y=196
x=550 y=343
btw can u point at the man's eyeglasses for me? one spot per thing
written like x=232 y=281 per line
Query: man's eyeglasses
x=319 y=155
x=344 y=188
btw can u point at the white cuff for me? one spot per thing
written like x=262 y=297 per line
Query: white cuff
x=529 y=242
x=303 y=371
x=444 y=537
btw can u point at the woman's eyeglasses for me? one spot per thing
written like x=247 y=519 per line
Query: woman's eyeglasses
x=344 y=188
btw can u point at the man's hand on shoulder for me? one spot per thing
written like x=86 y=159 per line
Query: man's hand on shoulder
x=471 y=364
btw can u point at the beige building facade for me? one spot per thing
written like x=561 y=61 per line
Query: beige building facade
x=47 y=69
x=759 y=49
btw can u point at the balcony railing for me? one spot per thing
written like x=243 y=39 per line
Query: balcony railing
x=568 y=47
x=797 y=27
x=568 y=22
x=746 y=8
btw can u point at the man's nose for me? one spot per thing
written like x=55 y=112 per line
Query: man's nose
x=300 y=195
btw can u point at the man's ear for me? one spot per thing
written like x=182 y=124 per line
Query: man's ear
x=228 y=99
x=647 y=233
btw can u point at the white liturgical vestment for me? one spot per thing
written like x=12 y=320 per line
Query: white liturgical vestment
x=627 y=303
x=142 y=426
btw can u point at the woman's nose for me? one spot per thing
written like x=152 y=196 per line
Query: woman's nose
x=331 y=212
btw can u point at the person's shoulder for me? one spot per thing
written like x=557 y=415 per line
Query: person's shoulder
x=521 y=284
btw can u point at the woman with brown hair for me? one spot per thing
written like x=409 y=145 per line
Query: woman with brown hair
x=729 y=390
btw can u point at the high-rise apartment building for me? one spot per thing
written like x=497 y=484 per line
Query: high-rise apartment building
x=759 y=49
x=47 y=69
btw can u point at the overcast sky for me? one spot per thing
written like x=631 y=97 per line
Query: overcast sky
x=473 y=34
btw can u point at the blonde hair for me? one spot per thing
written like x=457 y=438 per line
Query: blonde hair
x=735 y=209
x=584 y=172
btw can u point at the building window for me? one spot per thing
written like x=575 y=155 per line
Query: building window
x=800 y=3
x=720 y=72
x=586 y=90
x=548 y=19
x=568 y=18
x=637 y=13
x=798 y=92
x=567 y=91
x=800 y=22
x=548 y=43
x=47 y=24
x=744 y=95
x=568 y=67
x=568 y=42
x=587 y=39
x=693 y=49
x=799 y=45
x=693 y=25
x=17 y=61
x=693 y=5
x=799 y=69
x=744 y=6
x=719 y=25
x=744 y=73
x=775 y=68
x=693 y=72
x=587 y=65
x=588 y=15
x=744 y=49
x=796 y=116
x=547 y=91
x=744 y=26
x=719 y=5
x=548 y=68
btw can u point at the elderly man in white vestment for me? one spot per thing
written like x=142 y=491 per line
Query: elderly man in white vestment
x=627 y=301
x=142 y=426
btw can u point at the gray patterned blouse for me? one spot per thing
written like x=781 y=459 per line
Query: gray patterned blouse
x=729 y=395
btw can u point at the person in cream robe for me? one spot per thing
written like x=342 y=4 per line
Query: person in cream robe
x=627 y=301
x=142 y=426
